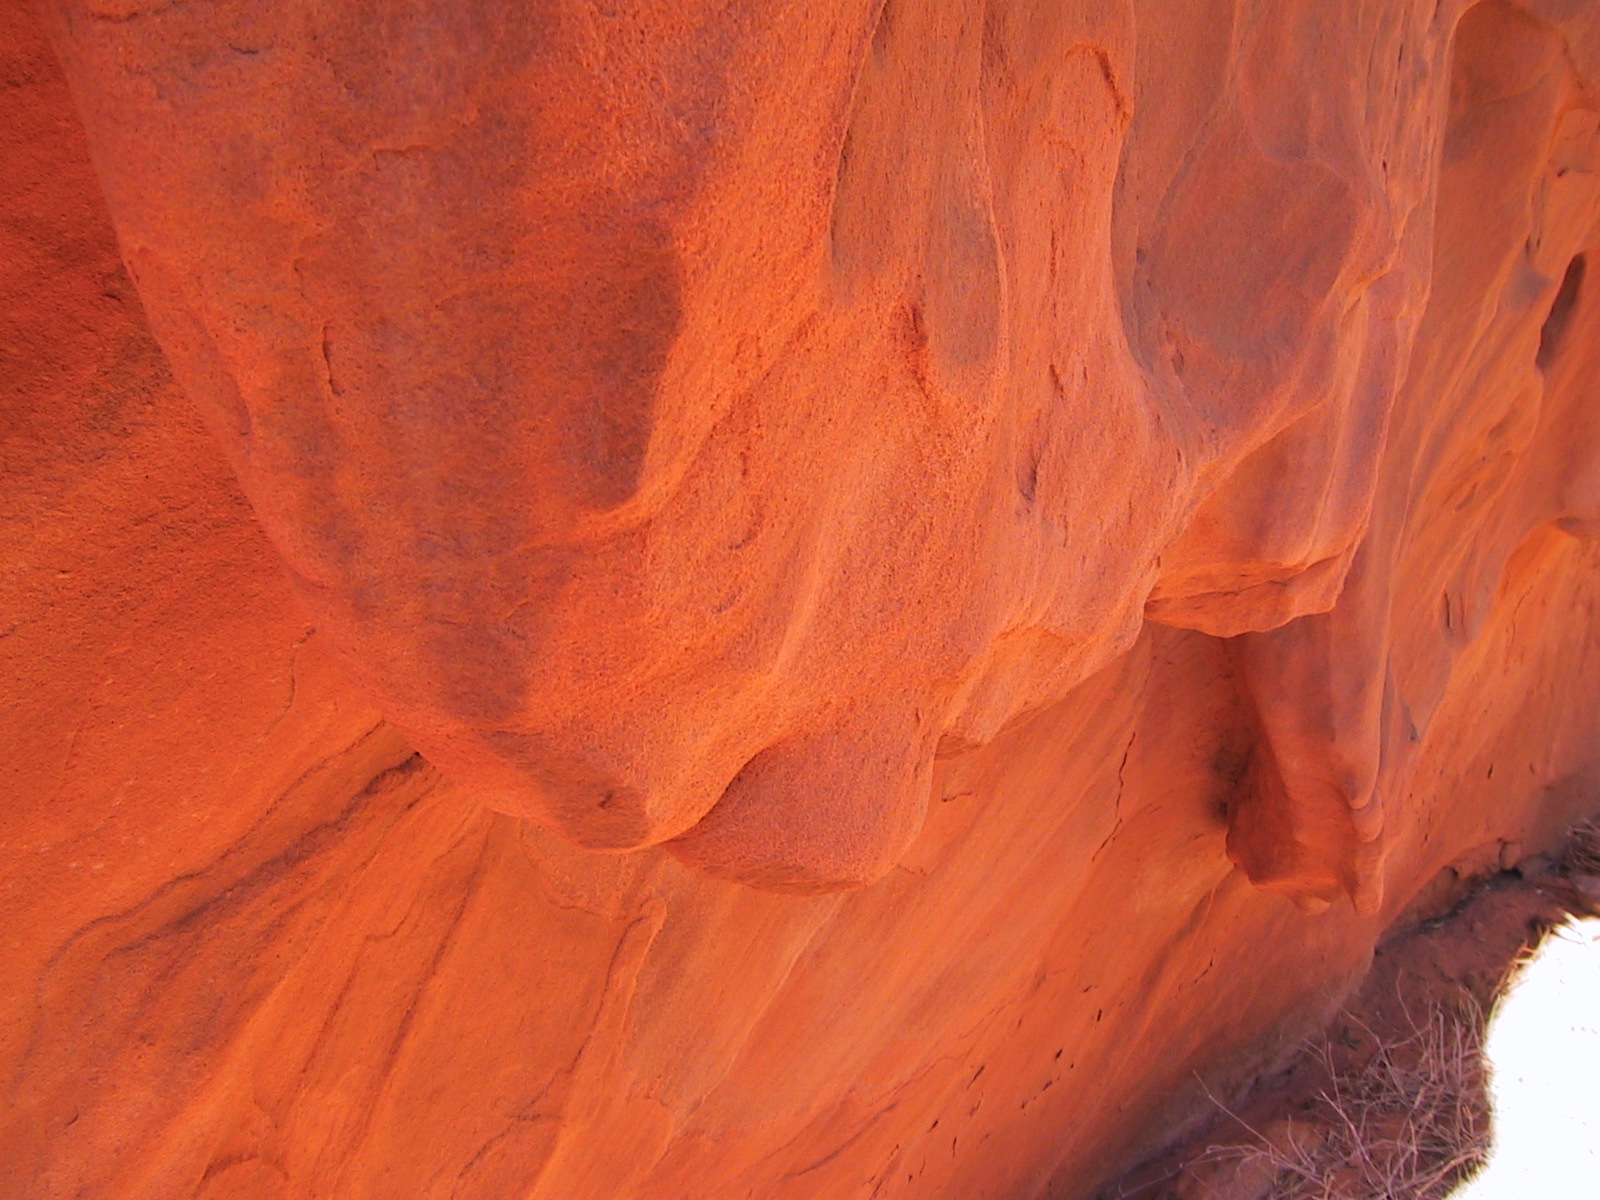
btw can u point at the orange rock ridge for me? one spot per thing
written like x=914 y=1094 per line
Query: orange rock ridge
x=935 y=574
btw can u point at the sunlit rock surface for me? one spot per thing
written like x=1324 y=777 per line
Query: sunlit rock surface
x=934 y=574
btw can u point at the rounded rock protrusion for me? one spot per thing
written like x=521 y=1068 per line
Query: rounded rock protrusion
x=827 y=811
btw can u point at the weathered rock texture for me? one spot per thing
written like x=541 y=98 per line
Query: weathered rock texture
x=1121 y=479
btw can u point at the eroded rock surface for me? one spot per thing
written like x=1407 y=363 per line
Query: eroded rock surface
x=1032 y=488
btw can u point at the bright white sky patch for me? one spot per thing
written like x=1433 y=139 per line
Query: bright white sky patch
x=1544 y=1052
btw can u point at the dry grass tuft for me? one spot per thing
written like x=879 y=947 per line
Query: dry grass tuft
x=1583 y=849
x=1407 y=1119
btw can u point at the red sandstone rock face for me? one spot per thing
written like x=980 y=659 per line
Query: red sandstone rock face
x=1062 y=465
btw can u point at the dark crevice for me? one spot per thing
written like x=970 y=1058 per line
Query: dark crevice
x=1555 y=325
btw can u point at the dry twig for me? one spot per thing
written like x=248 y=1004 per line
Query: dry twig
x=1583 y=849
x=1408 y=1121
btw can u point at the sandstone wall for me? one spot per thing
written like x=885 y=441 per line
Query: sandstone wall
x=951 y=566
